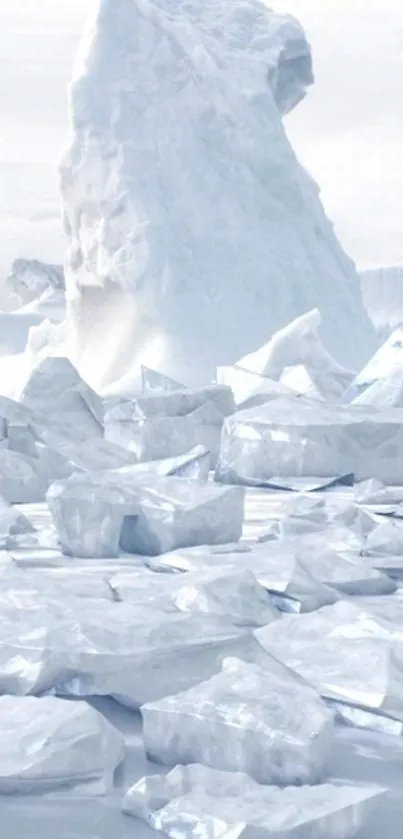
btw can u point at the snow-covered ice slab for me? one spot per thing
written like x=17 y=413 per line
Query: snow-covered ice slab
x=49 y=743
x=196 y=801
x=138 y=238
x=353 y=657
x=229 y=593
x=151 y=516
x=291 y=437
x=244 y=719
x=291 y=586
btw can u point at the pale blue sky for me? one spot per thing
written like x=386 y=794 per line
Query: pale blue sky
x=349 y=131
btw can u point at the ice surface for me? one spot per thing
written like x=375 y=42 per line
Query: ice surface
x=197 y=802
x=139 y=153
x=300 y=437
x=49 y=743
x=353 y=657
x=245 y=719
x=229 y=593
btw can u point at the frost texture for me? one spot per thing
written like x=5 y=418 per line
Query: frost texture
x=49 y=743
x=245 y=719
x=172 y=100
x=196 y=802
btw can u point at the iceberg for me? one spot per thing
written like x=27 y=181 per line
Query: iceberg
x=252 y=252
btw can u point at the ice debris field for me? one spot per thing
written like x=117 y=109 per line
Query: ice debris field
x=201 y=482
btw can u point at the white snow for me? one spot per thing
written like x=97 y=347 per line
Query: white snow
x=193 y=231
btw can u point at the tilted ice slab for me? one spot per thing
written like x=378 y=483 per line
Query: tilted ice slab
x=200 y=802
x=193 y=231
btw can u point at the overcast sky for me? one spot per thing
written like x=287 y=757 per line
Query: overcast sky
x=348 y=132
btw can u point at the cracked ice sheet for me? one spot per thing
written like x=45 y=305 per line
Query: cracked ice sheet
x=358 y=756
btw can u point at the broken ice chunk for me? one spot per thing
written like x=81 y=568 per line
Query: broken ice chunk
x=245 y=719
x=232 y=594
x=291 y=586
x=49 y=743
x=353 y=657
x=55 y=389
x=149 y=516
x=196 y=801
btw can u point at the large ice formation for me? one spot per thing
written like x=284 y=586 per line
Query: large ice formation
x=193 y=231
